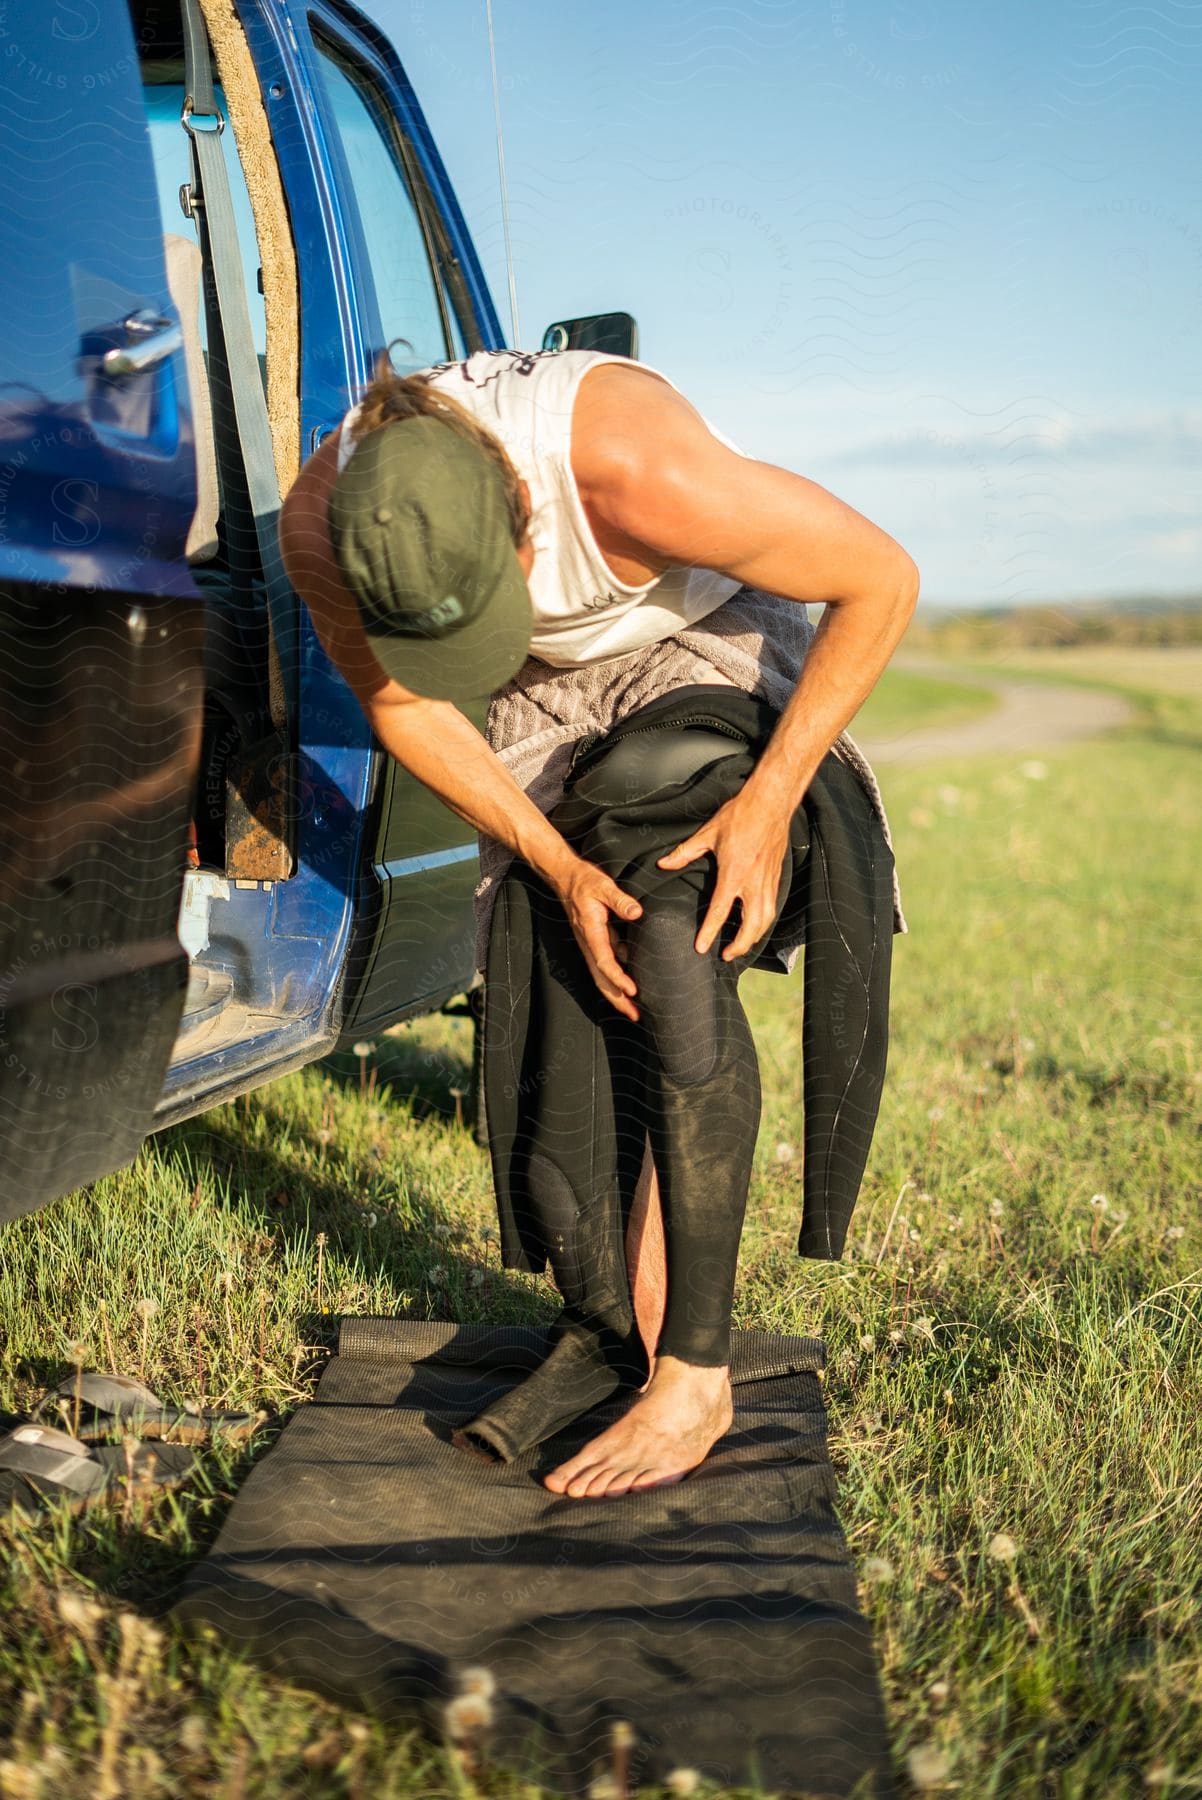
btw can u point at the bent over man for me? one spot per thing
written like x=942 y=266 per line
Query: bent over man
x=567 y=534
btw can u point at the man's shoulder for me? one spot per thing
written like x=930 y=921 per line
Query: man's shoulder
x=629 y=421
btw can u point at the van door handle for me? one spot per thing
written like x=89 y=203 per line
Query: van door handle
x=152 y=339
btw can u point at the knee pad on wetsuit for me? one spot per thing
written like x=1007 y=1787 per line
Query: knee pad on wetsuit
x=642 y=765
x=677 y=991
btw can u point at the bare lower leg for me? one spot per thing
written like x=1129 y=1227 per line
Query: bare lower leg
x=646 y=1259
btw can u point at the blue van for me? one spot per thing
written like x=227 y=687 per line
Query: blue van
x=215 y=215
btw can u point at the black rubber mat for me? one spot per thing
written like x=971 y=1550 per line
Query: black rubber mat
x=370 y=1559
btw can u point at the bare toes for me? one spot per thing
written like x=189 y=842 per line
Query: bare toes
x=600 y=1484
x=621 y=1483
x=567 y=1472
x=650 y=1478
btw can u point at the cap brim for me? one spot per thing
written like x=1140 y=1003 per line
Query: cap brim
x=472 y=661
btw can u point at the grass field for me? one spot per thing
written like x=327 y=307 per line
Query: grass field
x=1137 y=667
x=1015 y=1378
x=910 y=694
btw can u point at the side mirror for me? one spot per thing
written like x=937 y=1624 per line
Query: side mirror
x=616 y=333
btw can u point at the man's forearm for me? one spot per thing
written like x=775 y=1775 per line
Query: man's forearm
x=440 y=747
x=850 y=650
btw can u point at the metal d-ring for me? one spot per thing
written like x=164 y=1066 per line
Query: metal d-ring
x=187 y=113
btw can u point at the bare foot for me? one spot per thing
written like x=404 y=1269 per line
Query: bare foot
x=670 y=1428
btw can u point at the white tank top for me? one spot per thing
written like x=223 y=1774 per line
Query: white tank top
x=582 y=612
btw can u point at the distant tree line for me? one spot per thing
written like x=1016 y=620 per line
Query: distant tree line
x=1048 y=624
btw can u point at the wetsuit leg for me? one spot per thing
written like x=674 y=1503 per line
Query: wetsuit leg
x=585 y=1128
x=703 y=1101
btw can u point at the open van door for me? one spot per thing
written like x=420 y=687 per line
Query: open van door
x=100 y=639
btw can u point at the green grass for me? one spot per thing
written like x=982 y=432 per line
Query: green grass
x=904 y=696
x=1007 y=1355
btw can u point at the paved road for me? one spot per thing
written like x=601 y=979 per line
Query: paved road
x=1029 y=715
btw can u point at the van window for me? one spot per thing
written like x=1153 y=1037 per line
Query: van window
x=407 y=291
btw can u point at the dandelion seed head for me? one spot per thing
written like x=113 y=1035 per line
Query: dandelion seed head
x=370 y=1220
x=324 y=1135
x=437 y=1274
x=226 y=1279
x=682 y=1781
x=362 y=1048
x=194 y=1734
x=896 y=1335
x=465 y=1715
x=877 y=1570
x=928 y=1766
x=914 y=1234
x=867 y=1342
x=1100 y=1201
x=146 y=1308
x=924 y=1327
x=478 y=1680
x=77 y=1350
x=1002 y=1548
x=1174 y=1233
x=940 y=1691
x=996 y=1209
x=784 y=1153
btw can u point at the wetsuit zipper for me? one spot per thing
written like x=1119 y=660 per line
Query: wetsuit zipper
x=594 y=739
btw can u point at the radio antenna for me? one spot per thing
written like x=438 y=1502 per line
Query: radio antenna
x=515 y=328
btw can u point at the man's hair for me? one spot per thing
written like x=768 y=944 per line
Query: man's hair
x=391 y=396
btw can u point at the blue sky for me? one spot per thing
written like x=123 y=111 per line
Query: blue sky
x=943 y=256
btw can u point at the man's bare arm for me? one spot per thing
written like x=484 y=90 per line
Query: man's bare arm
x=649 y=468
x=653 y=474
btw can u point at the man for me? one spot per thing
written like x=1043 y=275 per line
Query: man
x=647 y=524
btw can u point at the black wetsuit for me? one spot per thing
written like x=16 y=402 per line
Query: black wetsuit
x=573 y=1089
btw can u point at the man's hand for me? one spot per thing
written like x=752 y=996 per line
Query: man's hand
x=589 y=896
x=750 y=842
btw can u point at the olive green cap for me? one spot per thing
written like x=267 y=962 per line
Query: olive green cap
x=420 y=528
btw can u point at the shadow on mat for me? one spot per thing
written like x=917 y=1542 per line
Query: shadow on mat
x=563 y=1741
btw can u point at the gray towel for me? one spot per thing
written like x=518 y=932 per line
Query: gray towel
x=759 y=641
